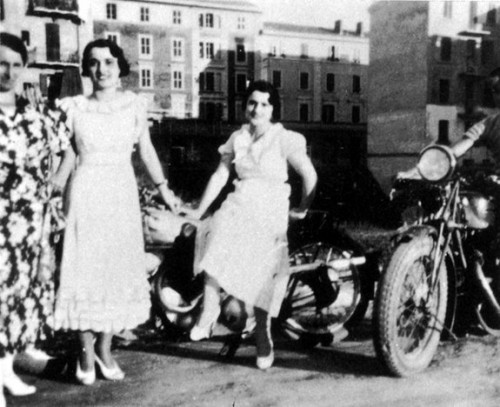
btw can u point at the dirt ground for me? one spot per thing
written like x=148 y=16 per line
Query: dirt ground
x=173 y=374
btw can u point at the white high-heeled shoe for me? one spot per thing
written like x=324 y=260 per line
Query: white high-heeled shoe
x=87 y=378
x=198 y=332
x=114 y=373
x=265 y=362
x=11 y=381
x=3 y=403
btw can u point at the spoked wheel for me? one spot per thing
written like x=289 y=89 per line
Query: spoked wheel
x=319 y=302
x=409 y=314
x=174 y=310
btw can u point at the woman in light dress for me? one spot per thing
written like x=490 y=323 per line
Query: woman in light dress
x=103 y=287
x=246 y=242
x=30 y=137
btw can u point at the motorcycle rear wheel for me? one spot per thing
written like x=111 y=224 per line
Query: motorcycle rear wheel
x=310 y=319
x=408 y=318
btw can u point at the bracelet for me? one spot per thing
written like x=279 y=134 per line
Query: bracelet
x=164 y=182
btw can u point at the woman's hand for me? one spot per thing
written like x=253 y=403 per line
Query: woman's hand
x=296 y=214
x=191 y=213
x=173 y=202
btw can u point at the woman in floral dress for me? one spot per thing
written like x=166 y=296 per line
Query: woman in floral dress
x=29 y=138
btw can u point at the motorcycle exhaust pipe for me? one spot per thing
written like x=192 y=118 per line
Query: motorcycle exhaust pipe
x=483 y=282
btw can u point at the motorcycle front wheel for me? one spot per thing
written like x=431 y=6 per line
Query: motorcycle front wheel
x=319 y=303
x=408 y=313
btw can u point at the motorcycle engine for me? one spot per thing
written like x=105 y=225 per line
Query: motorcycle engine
x=479 y=210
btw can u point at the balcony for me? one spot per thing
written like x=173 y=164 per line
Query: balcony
x=65 y=9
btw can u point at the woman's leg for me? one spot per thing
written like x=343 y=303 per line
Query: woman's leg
x=263 y=340
x=107 y=365
x=87 y=356
x=210 y=312
x=103 y=348
x=11 y=381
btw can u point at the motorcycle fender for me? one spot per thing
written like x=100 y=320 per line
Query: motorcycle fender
x=413 y=232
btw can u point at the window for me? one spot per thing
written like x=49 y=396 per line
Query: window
x=112 y=36
x=210 y=81
x=177 y=48
x=207 y=50
x=277 y=79
x=471 y=49
x=145 y=46
x=330 y=82
x=356 y=83
x=328 y=114
x=332 y=53
x=444 y=91
x=145 y=14
x=356 y=114
x=473 y=14
x=304 y=80
x=241 y=55
x=52 y=39
x=486 y=52
x=177 y=79
x=146 y=78
x=241 y=23
x=238 y=110
x=206 y=20
x=491 y=16
x=304 y=112
x=443 y=132
x=445 y=49
x=176 y=17
x=488 y=100
x=447 y=9
x=304 y=50
x=241 y=82
x=25 y=36
x=111 y=11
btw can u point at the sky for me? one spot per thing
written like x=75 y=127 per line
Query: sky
x=320 y=13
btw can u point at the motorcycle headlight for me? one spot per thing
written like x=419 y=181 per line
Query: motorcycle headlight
x=436 y=163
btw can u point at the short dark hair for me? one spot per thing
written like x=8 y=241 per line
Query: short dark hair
x=493 y=80
x=114 y=49
x=265 y=87
x=16 y=44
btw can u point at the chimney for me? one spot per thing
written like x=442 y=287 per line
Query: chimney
x=338 y=26
x=359 y=28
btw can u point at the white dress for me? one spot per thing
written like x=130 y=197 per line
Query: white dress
x=245 y=245
x=103 y=284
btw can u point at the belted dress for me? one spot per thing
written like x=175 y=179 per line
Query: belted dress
x=103 y=284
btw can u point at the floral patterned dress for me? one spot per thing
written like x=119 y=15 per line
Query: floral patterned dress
x=28 y=142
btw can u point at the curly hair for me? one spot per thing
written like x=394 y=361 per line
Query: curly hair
x=114 y=49
x=265 y=87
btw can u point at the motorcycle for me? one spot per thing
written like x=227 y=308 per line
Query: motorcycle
x=326 y=287
x=444 y=265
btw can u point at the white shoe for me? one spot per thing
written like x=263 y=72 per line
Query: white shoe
x=114 y=373
x=87 y=378
x=13 y=382
x=265 y=362
x=2 y=397
x=198 y=332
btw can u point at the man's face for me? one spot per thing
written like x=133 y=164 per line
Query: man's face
x=11 y=68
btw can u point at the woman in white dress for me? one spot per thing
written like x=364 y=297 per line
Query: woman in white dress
x=245 y=243
x=103 y=286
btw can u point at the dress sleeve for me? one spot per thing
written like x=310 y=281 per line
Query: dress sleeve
x=292 y=142
x=141 y=117
x=60 y=124
x=227 y=149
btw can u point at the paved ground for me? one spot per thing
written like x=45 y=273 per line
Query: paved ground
x=162 y=373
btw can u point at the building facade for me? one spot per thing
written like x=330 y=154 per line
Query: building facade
x=321 y=73
x=187 y=57
x=53 y=32
x=428 y=65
